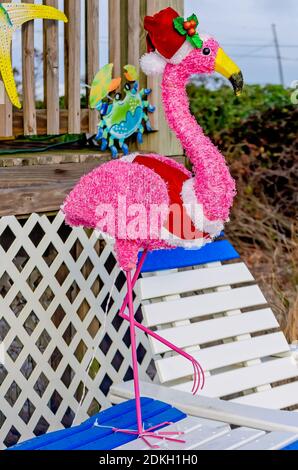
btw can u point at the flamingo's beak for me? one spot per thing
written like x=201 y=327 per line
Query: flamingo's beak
x=226 y=67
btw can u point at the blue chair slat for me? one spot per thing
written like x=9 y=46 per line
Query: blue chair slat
x=161 y=260
x=88 y=436
x=115 y=440
x=293 y=446
x=104 y=416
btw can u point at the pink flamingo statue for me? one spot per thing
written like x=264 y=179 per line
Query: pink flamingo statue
x=108 y=198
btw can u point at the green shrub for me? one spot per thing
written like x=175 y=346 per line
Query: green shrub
x=218 y=109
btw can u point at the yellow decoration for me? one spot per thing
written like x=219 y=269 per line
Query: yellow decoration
x=103 y=84
x=12 y=17
x=131 y=73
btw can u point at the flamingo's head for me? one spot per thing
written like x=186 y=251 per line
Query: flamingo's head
x=208 y=59
x=175 y=41
x=212 y=58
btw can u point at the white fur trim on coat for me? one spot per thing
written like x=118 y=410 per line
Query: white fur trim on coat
x=196 y=213
x=176 y=242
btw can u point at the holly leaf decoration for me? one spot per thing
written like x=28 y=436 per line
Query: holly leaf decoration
x=193 y=17
x=179 y=25
x=196 y=41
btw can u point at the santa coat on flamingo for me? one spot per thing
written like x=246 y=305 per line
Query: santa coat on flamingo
x=141 y=182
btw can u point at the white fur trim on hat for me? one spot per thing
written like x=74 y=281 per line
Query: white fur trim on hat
x=183 y=52
x=154 y=63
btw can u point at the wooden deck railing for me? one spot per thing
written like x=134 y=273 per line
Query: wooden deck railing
x=126 y=44
x=43 y=185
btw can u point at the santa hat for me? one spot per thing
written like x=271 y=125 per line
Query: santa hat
x=168 y=41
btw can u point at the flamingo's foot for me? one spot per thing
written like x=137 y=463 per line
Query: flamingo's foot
x=151 y=433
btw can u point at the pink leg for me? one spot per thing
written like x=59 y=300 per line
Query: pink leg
x=199 y=376
x=134 y=353
x=141 y=432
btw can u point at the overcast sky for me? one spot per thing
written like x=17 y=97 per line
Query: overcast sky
x=243 y=28
x=239 y=23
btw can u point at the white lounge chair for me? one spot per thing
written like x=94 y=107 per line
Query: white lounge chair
x=214 y=424
x=216 y=312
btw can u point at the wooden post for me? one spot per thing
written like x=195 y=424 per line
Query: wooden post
x=134 y=30
x=5 y=116
x=93 y=46
x=66 y=55
x=51 y=77
x=5 y=111
x=115 y=35
x=29 y=111
x=164 y=141
x=73 y=65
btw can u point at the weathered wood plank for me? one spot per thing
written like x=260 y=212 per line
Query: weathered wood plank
x=5 y=116
x=5 y=110
x=51 y=158
x=66 y=54
x=29 y=110
x=73 y=83
x=40 y=188
x=134 y=30
x=43 y=187
x=92 y=40
x=52 y=72
x=165 y=141
x=58 y=158
x=115 y=35
x=41 y=121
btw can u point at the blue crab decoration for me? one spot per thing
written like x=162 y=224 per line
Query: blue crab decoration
x=120 y=118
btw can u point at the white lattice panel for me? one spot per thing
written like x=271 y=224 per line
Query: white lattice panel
x=54 y=284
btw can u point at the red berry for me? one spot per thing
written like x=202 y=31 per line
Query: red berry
x=191 y=32
x=193 y=24
x=187 y=25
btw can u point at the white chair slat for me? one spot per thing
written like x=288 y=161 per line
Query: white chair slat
x=276 y=398
x=233 y=439
x=186 y=308
x=188 y=426
x=230 y=353
x=220 y=328
x=271 y=441
x=213 y=408
x=246 y=378
x=194 y=280
x=196 y=438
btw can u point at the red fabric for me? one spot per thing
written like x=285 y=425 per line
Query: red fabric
x=162 y=34
x=181 y=227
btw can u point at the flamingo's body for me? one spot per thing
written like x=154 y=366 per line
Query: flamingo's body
x=118 y=197
x=123 y=185
x=150 y=180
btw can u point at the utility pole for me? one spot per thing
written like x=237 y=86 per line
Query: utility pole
x=278 y=55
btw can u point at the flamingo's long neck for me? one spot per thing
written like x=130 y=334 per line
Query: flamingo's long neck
x=214 y=186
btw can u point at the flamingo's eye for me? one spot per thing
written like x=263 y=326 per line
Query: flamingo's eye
x=127 y=87
x=206 y=51
x=118 y=96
